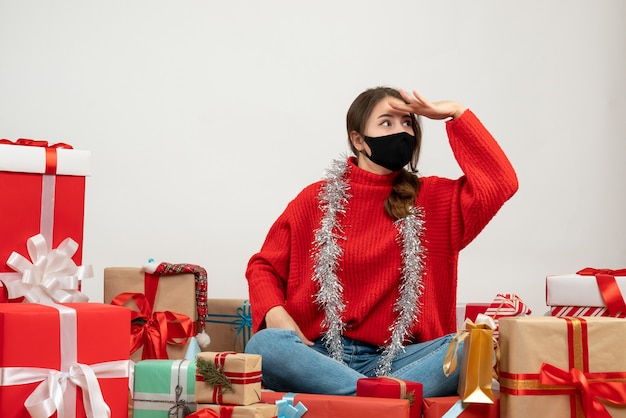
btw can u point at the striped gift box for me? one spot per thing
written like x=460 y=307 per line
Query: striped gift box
x=506 y=305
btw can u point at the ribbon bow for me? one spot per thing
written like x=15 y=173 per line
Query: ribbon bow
x=590 y=390
x=154 y=330
x=180 y=404
x=609 y=289
x=482 y=322
x=35 y=143
x=204 y=413
x=286 y=409
x=50 y=276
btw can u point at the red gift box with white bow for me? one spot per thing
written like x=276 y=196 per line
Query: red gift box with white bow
x=43 y=192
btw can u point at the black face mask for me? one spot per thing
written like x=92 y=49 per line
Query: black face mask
x=391 y=151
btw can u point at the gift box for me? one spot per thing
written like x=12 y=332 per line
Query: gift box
x=323 y=406
x=71 y=356
x=562 y=367
x=588 y=288
x=437 y=407
x=228 y=378
x=43 y=192
x=258 y=410
x=161 y=302
x=506 y=305
x=473 y=309
x=390 y=387
x=229 y=324
x=164 y=388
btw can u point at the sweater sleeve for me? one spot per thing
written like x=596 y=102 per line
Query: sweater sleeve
x=489 y=179
x=267 y=272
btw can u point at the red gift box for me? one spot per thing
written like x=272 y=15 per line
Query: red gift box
x=473 y=309
x=438 y=406
x=43 y=191
x=56 y=350
x=323 y=406
x=389 y=387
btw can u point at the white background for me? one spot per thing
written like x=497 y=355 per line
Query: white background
x=205 y=118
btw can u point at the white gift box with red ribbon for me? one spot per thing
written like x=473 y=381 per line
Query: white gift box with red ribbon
x=589 y=292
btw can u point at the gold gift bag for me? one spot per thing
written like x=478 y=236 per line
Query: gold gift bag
x=477 y=361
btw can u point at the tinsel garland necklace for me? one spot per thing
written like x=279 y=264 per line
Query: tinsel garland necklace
x=327 y=251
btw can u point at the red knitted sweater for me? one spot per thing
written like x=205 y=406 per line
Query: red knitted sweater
x=455 y=211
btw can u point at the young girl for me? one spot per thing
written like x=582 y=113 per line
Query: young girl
x=358 y=276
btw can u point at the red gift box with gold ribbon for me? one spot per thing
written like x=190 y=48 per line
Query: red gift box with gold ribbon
x=71 y=358
x=43 y=192
x=562 y=367
x=390 y=387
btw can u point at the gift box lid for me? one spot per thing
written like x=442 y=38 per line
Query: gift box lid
x=577 y=290
x=32 y=158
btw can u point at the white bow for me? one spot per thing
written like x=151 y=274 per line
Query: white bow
x=49 y=276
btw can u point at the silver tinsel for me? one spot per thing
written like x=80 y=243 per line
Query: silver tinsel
x=327 y=252
x=411 y=288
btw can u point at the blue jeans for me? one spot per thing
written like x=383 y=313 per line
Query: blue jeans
x=291 y=366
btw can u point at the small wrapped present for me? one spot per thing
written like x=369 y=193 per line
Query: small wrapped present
x=506 y=305
x=228 y=378
x=166 y=300
x=69 y=358
x=575 y=294
x=257 y=410
x=390 y=387
x=452 y=406
x=164 y=388
x=43 y=192
x=562 y=367
x=477 y=362
x=323 y=406
x=229 y=324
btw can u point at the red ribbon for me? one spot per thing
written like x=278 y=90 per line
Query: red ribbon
x=591 y=386
x=235 y=378
x=204 y=413
x=51 y=150
x=608 y=287
x=158 y=329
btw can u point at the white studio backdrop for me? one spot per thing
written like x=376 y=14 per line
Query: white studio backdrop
x=205 y=118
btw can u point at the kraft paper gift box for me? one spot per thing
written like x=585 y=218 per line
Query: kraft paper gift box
x=588 y=292
x=438 y=407
x=258 y=410
x=390 y=387
x=164 y=388
x=228 y=378
x=173 y=294
x=323 y=406
x=562 y=367
x=43 y=192
x=43 y=345
x=229 y=324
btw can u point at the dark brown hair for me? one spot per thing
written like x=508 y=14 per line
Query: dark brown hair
x=406 y=184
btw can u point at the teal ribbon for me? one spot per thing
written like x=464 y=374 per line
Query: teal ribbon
x=286 y=409
x=455 y=410
x=242 y=320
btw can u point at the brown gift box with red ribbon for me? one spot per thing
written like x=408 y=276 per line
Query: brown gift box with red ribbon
x=43 y=192
x=390 y=387
x=228 y=378
x=562 y=367
x=164 y=310
x=589 y=292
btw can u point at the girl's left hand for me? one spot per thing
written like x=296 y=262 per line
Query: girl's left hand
x=432 y=110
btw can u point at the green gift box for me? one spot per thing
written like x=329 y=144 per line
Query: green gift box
x=164 y=388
